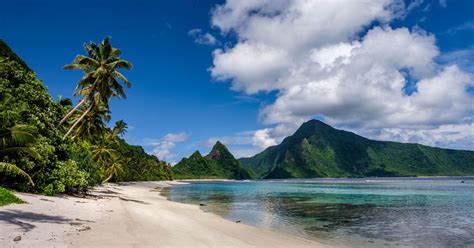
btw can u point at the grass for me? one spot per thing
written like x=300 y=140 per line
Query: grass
x=7 y=197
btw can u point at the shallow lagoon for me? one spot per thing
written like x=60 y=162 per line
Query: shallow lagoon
x=391 y=212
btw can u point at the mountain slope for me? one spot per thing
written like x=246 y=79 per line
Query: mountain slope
x=318 y=150
x=7 y=53
x=219 y=163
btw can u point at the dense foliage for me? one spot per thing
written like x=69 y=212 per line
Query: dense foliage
x=59 y=164
x=318 y=150
x=142 y=166
x=218 y=164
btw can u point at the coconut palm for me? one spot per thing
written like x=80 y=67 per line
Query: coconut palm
x=108 y=160
x=120 y=128
x=115 y=169
x=93 y=124
x=65 y=102
x=14 y=139
x=101 y=80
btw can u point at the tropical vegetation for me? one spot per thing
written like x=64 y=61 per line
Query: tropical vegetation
x=49 y=146
x=7 y=197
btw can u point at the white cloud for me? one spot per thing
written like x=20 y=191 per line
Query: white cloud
x=202 y=38
x=459 y=136
x=262 y=138
x=162 y=147
x=322 y=61
x=253 y=67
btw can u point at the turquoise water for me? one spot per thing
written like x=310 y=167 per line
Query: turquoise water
x=390 y=212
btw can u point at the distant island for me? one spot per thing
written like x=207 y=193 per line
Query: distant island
x=317 y=150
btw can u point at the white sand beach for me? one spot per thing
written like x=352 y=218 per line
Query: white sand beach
x=128 y=215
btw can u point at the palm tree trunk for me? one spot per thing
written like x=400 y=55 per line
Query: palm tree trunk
x=73 y=110
x=83 y=100
x=79 y=120
x=108 y=178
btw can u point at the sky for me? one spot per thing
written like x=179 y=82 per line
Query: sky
x=249 y=73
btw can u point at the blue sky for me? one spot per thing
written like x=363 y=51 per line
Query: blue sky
x=184 y=97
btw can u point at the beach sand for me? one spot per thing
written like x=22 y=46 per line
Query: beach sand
x=128 y=215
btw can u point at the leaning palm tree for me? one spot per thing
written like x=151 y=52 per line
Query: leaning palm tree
x=93 y=124
x=106 y=159
x=115 y=169
x=109 y=161
x=101 y=80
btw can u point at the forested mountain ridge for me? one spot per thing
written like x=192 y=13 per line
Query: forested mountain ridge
x=318 y=150
x=218 y=164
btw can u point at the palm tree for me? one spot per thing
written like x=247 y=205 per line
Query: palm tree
x=14 y=138
x=115 y=169
x=101 y=80
x=120 y=128
x=65 y=102
x=107 y=160
x=92 y=125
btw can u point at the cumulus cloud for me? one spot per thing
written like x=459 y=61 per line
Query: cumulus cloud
x=162 y=147
x=459 y=136
x=262 y=138
x=342 y=61
x=202 y=37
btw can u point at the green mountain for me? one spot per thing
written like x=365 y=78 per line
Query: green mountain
x=218 y=164
x=318 y=150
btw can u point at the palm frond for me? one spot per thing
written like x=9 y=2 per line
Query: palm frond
x=120 y=64
x=15 y=170
x=18 y=149
x=122 y=78
x=23 y=134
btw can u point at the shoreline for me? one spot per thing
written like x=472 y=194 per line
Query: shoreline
x=129 y=214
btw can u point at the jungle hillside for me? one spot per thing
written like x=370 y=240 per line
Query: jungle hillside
x=52 y=146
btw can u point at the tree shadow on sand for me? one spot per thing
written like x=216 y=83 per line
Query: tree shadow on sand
x=133 y=200
x=25 y=220
x=107 y=193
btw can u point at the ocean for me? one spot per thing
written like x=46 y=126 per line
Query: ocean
x=365 y=212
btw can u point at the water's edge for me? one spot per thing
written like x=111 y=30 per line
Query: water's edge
x=367 y=212
x=164 y=191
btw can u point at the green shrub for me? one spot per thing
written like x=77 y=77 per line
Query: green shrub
x=7 y=197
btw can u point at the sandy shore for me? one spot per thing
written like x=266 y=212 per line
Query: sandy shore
x=130 y=215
